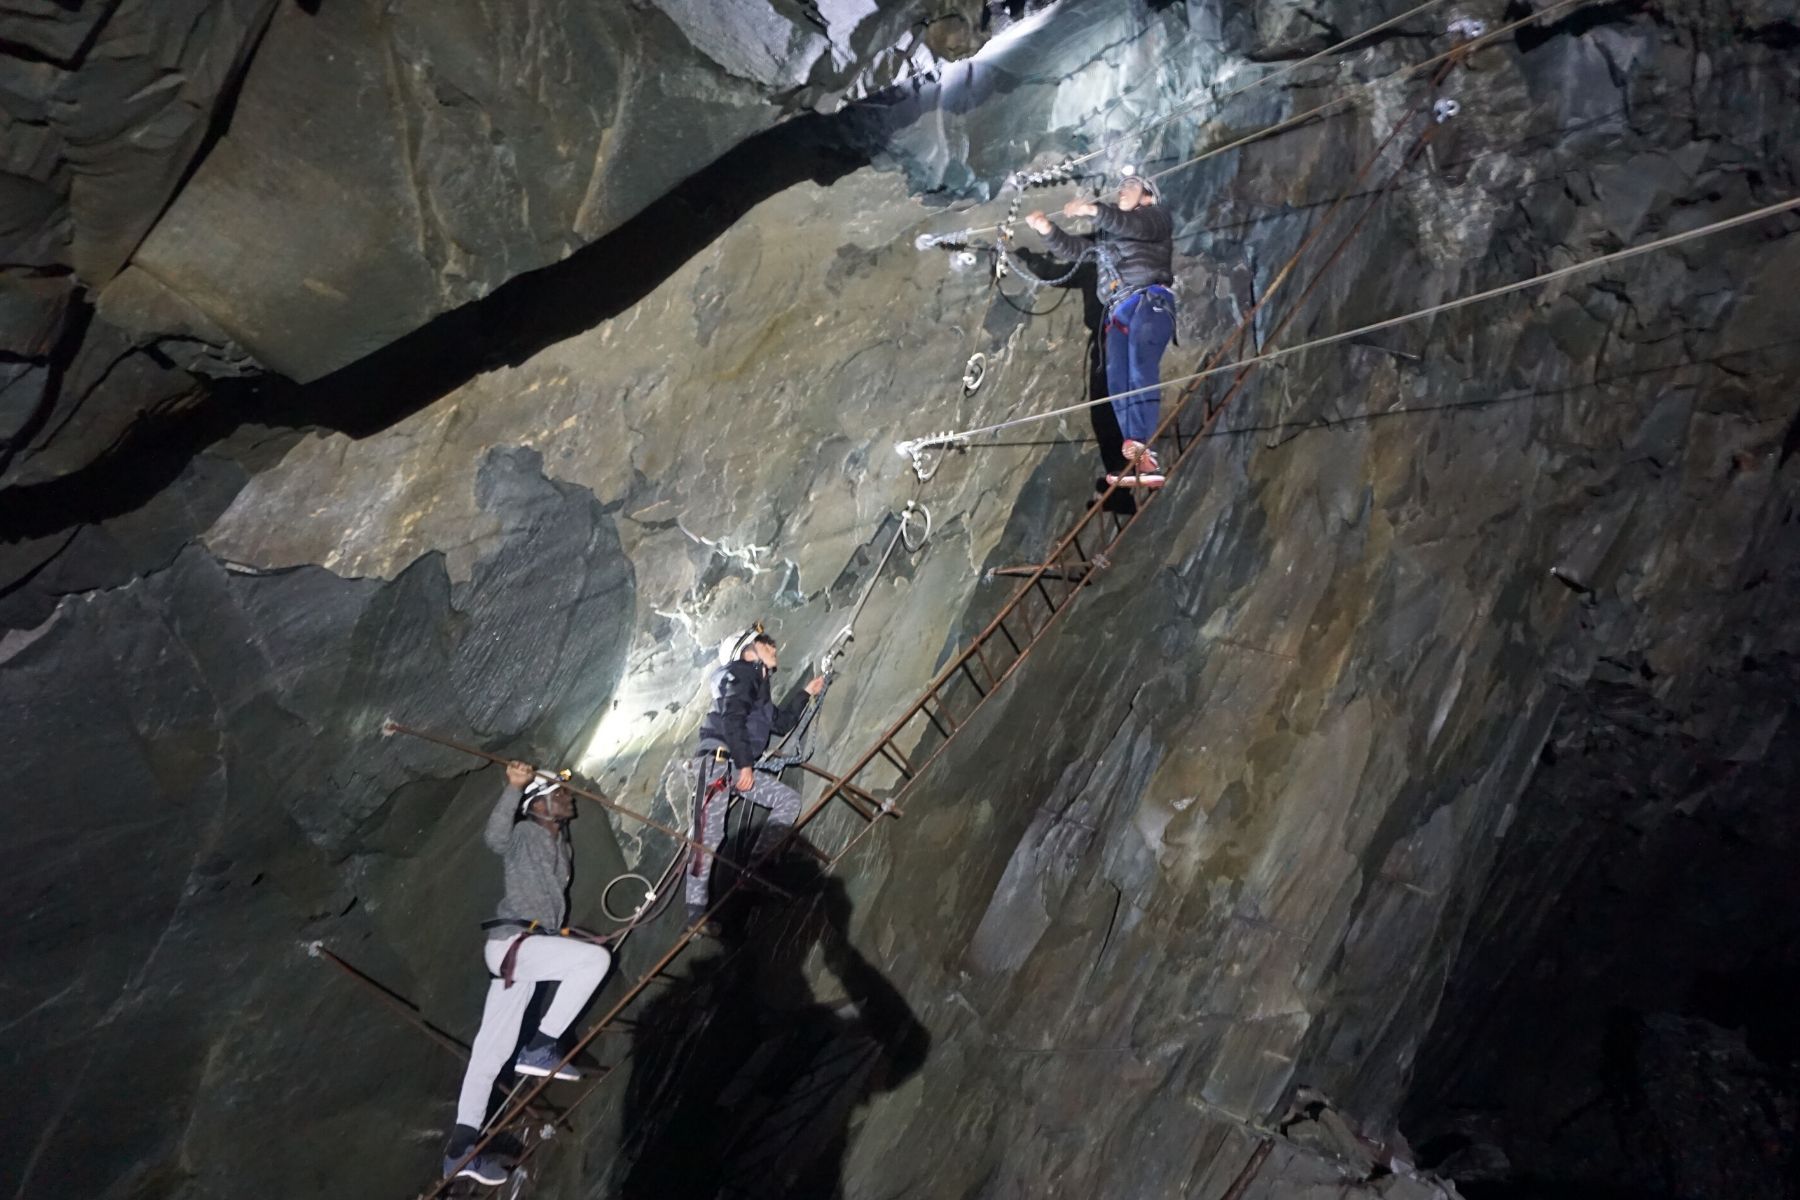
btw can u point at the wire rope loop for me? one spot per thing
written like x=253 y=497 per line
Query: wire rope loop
x=634 y=914
x=974 y=372
x=914 y=511
x=915 y=451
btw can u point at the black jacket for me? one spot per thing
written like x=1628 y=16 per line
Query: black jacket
x=1135 y=249
x=744 y=714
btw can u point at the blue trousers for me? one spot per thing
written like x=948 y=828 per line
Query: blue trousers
x=1138 y=330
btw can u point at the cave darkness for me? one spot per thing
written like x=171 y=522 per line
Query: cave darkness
x=1621 y=1020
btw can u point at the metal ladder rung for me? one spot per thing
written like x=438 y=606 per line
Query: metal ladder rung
x=892 y=753
x=1000 y=624
x=981 y=656
x=939 y=718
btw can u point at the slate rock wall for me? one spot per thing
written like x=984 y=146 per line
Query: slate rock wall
x=1225 y=833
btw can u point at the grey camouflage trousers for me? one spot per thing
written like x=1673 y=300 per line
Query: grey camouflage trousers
x=711 y=804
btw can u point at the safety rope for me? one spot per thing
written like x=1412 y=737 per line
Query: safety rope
x=1260 y=80
x=916 y=450
x=1067 y=167
x=1471 y=34
x=1465 y=46
x=916 y=447
x=796 y=746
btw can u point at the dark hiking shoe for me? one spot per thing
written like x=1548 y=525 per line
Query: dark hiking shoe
x=488 y=1167
x=704 y=926
x=544 y=1060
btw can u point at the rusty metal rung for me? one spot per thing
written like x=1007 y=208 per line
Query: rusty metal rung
x=981 y=657
x=814 y=850
x=1000 y=624
x=898 y=760
x=843 y=789
x=943 y=710
x=1029 y=569
x=947 y=732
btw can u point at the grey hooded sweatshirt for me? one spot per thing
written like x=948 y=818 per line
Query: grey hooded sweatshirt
x=538 y=864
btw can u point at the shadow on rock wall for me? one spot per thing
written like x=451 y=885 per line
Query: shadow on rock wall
x=745 y=1082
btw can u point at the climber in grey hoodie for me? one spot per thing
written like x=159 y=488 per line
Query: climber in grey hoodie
x=528 y=829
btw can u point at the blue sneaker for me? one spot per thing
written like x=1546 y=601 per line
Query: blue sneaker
x=486 y=1167
x=543 y=1061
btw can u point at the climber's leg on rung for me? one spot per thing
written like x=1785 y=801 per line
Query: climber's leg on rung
x=709 y=773
x=1145 y=322
x=1152 y=327
x=1116 y=349
x=502 y=1017
x=783 y=803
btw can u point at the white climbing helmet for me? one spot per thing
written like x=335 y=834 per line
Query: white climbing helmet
x=733 y=647
x=540 y=788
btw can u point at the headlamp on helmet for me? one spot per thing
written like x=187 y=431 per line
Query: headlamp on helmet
x=733 y=647
x=541 y=788
x=1130 y=172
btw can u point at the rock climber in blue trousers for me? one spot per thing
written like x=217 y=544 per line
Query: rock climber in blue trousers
x=1134 y=247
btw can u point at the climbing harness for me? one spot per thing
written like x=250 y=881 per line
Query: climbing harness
x=530 y=929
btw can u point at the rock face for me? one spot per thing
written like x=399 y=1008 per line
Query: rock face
x=454 y=147
x=103 y=110
x=379 y=165
x=1233 y=826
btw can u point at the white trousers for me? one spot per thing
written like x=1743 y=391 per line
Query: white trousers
x=577 y=968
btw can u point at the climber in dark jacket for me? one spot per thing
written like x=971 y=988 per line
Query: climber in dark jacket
x=1134 y=247
x=733 y=736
